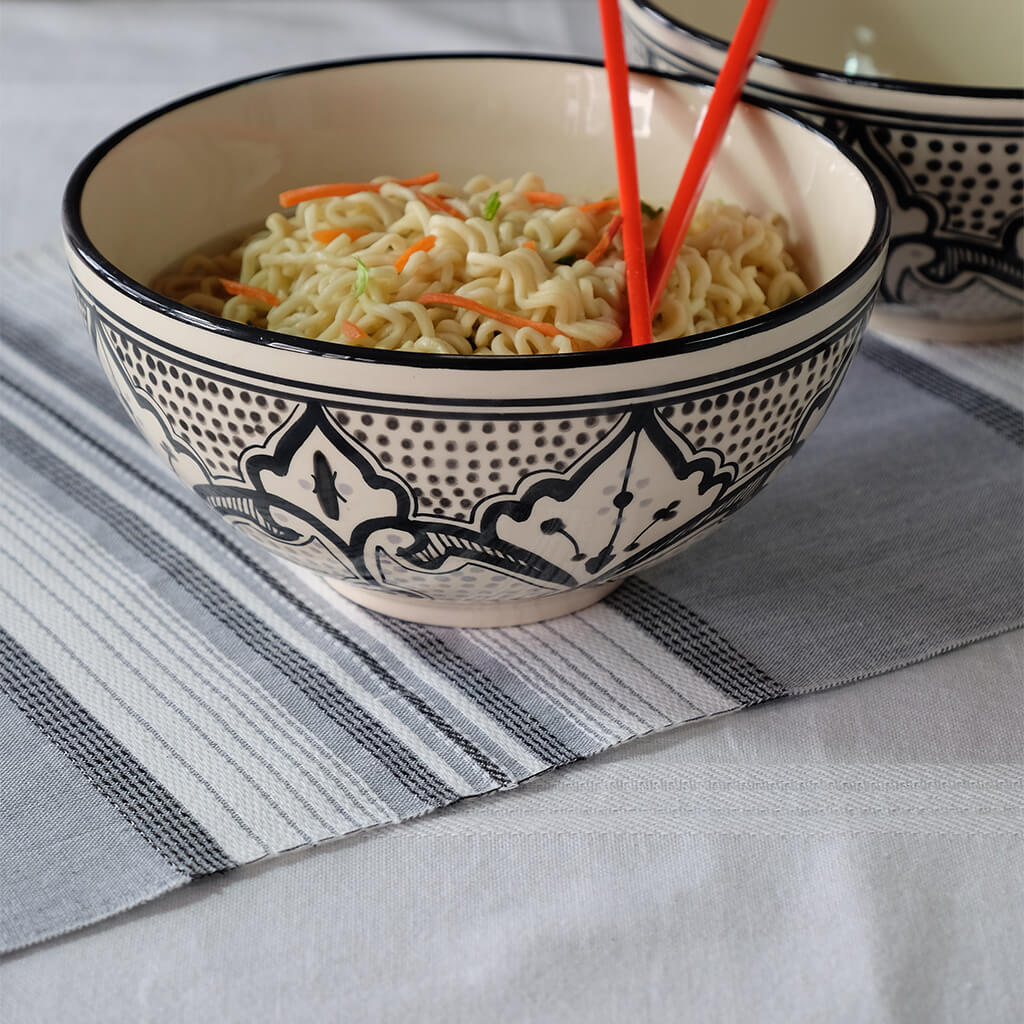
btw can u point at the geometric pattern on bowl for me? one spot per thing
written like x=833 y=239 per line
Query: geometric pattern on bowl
x=463 y=492
x=472 y=505
x=954 y=182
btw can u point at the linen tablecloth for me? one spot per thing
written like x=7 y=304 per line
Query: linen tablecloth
x=590 y=907
x=175 y=703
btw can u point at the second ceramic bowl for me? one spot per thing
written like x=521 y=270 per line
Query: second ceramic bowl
x=930 y=93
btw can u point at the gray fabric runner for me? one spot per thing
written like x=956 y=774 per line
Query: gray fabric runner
x=174 y=701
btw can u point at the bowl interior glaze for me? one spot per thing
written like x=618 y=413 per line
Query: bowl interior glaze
x=216 y=164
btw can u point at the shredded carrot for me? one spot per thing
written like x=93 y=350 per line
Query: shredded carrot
x=425 y=244
x=352 y=331
x=291 y=197
x=545 y=198
x=326 y=235
x=438 y=203
x=529 y=244
x=605 y=240
x=423 y=179
x=300 y=195
x=500 y=315
x=600 y=206
x=250 y=292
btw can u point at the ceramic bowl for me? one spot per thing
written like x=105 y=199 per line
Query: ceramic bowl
x=459 y=489
x=929 y=92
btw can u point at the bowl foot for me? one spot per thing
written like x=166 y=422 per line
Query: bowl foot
x=473 y=615
x=963 y=332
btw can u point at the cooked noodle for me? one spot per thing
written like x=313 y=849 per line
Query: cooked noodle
x=734 y=266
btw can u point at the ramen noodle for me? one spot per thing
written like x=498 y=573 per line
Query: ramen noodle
x=497 y=267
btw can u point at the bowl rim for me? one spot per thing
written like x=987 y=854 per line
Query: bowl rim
x=81 y=245
x=880 y=82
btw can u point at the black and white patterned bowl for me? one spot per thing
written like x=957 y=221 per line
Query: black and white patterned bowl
x=949 y=155
x=452 y=489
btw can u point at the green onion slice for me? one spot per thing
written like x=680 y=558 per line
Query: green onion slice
x=362 y=277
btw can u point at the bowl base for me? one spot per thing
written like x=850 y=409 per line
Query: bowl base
x=962 y=332
x=473 y=615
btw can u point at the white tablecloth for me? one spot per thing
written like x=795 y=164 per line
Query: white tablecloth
x=852 y=856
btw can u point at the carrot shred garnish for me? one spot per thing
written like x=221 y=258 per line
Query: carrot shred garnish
x=545 y=198
x=425 y=244
x=352 y=331
x=600 y=206
x=424 y=179
x=605 y=240
x=291 y=197
x=326 y=235
x=342 y=188
x=447 y=299
x=250 y=292
x=438 y=203
x=528 y=244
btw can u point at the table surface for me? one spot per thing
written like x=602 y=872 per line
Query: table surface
x=851 y=856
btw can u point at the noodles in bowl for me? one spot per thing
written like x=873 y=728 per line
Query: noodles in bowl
x=495 y=268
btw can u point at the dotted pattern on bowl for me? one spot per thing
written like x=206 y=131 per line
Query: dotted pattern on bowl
x=471 y=505
x=451 y=465
x=969 y=176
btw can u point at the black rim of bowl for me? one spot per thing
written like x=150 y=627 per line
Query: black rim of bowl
x=831 y=75
x=83 y=247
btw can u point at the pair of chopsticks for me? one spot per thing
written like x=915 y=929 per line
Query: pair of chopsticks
x=645 y=285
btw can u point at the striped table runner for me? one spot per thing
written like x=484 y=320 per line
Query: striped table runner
x=176 y=702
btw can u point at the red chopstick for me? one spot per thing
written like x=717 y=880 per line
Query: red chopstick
x=625 y=158
x=728 y=89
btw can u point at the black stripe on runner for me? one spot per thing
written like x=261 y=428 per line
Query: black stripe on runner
x=506 y=711
x=694 y=641
x=371 y=734
x=112 y=770
x=1001 y=417
x=380 y=672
